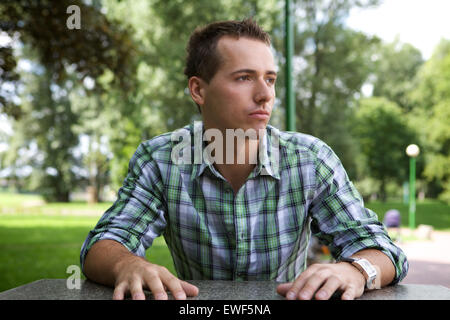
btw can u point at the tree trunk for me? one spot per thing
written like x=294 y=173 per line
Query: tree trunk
x=383 y=195
x=93 y=194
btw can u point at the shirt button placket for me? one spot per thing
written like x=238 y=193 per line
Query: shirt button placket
x=241 y=254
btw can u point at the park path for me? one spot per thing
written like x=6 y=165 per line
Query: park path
x=429 y=260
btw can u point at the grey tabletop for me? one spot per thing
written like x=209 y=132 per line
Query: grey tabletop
x=56 y=289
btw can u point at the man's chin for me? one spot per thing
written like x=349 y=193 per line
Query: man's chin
x=254 y=131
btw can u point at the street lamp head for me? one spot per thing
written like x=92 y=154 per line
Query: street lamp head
x=412 y=150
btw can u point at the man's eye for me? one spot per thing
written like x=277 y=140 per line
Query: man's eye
x=271 y=80
x=244 y=78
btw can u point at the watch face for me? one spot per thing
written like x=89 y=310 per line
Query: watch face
x=371 y=272
x=364 y=263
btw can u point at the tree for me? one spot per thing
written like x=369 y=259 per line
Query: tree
x=383 y=135
x=432 y=81
x=46 y=123
x=396 y=66
x=431 y=98
x=438 y=165
x=331 y=64
x=63 y=59
x=99 y=45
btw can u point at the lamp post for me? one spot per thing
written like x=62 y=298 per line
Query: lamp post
x=289 y=46
x=412 y=151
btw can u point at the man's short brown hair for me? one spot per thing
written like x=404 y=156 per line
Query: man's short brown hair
x=202 y=58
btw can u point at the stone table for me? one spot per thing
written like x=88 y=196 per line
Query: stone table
x=56 y=289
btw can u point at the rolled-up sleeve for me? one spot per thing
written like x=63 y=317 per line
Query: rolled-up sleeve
x=137 y=217
x=340 y=219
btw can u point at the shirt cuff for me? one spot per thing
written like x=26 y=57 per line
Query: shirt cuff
x=395 y=254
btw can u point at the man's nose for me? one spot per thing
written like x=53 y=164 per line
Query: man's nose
x=263 y=92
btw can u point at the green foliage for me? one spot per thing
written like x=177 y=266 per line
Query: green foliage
x=383 y=136
x=396 y=65
x=8 y=74
x=438 y=164
x=367 y=186
x=432 y=116
x=46 y=122
x=99 y=45
x=61 y=59
x=332 y=64
x=433 y=80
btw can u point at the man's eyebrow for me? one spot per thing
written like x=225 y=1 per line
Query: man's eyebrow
x=252 y=71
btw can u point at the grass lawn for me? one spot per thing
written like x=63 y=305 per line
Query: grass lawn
x=39 y=240
x=430 y=212
x=38 y=245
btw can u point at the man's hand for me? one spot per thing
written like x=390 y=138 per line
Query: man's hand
x=135 y=273
x=322 y=280
x=110 y=263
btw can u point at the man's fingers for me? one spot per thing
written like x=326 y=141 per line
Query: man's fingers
x=119 y=291
x=190 y=289
x=331 y=285
x=158 y=280
x=352 y=292
x=349 y=293
x=313 y=283
x=299 y=283
x=283 y=288
x=155 y=285
x=136 y=291
x=172 y=283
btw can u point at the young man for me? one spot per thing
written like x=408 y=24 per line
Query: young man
x=239 y=220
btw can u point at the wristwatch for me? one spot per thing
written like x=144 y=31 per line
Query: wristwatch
x=366 y=268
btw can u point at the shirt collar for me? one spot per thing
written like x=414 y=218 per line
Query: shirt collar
x=268 y=157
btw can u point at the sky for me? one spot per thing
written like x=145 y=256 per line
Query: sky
x=421 y=23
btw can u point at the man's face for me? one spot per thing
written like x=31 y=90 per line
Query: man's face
x=242 y=92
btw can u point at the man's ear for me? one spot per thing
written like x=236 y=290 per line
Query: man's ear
x=197 y=90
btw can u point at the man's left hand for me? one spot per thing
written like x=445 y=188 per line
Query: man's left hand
x=320 y=281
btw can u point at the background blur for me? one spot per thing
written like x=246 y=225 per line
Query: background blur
x=76 y=102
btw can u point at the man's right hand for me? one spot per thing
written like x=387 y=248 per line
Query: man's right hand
x=109 y=262
x=135 y=273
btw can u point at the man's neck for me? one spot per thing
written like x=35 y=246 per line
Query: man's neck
x=239 y=159
x=236 y=173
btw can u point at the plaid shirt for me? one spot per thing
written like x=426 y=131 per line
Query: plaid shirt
x=261 y=232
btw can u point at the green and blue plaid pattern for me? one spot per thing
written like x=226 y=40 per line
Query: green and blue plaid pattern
x=261 y=232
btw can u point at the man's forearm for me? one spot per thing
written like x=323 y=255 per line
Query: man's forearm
x=380 y=260
x=103 y=259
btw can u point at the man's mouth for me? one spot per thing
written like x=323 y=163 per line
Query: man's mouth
x=260 y=114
